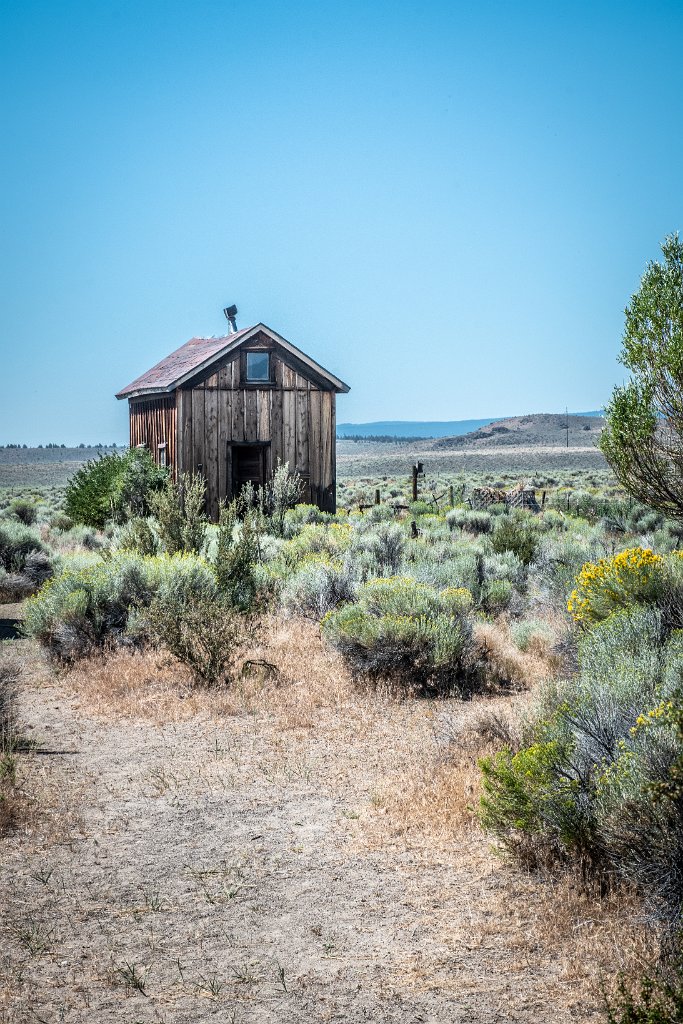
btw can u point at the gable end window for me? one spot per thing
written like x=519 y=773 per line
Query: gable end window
x=258 y=366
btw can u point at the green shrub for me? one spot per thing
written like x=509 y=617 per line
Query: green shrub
x=139 y=480
x=90 y=492
x=385 y=544
x=137 y=535
x=301 y=515
x=237 y=553
x=530 y=633
x=473 y=521
x=61 y=521
x=280 y=494
x=404 y=632
x=608 y=789
x=497 y=595
x=633 y=576
x=657 y=998
x=516 y=532
x=17 y=543
x=84 y=608
x=179 y=508
x=529 y=805
x=24 y=510
x=114 y=487
x=203 y=633
x=319 y=587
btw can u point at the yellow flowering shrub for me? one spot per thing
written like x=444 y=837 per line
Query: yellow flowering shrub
x=635 y=575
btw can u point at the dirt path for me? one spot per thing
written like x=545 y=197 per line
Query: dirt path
x=248 y=869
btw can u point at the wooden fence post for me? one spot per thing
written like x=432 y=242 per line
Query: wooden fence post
x=377 y=496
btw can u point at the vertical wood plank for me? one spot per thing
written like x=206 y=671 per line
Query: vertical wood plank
x=250 y=419
x=211 y=446
x=263 y=415
x=314 y=435
x=277 y=449
x=289 y=429
x=198 y=458
x=238 y=415
x=302 y=439
x=224 y=428
x=326 y=447
x=333 y=434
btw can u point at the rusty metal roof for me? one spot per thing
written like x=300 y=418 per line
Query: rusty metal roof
x=199 y=353
x=189 y=357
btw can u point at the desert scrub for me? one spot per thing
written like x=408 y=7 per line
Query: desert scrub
x=114 y=487
x=302 y=515
x=532 y=634
x=472 y=521
x=84 y=608
x=407 y=633
x=319 y=587
x=179 y=510
x=593 y=781
x=518 y=533
x=634 y=576
x=385 y=545
x=530 y=806
x=656 y=998
x=324 y=540
x=204 y=633
x=25 y=561
x=25 y=510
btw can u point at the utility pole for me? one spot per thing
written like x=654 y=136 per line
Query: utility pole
x=566 y=413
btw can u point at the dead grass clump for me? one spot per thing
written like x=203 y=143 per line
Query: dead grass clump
x=439 y=797
x=10 y=799
x=504 y=664
x=592 y=937
x=10 y=670
x=289 y=675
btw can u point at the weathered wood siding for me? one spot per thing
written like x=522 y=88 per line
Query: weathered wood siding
x=153 y=422
x=292 y=415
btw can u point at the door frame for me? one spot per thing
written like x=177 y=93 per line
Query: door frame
x=265 y=447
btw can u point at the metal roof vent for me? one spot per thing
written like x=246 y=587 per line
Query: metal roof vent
x=230 y=315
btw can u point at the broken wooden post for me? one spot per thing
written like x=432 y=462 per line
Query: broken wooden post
x=377 y=496
x=451 y=502
x=417 y=469
x=413 y=529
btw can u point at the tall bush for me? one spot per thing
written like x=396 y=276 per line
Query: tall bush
x=407 y=633
x=113 y=487
x=180 y=510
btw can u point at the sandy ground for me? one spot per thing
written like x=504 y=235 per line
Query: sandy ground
x=266 y=862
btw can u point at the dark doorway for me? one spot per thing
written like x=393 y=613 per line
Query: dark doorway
x=248 y=466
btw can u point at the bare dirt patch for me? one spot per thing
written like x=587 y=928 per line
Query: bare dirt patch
x=289 y=850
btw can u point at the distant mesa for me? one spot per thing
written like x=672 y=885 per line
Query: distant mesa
x=532 y=429
x=550 y=430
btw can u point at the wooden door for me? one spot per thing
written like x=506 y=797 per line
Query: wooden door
x=248 y=465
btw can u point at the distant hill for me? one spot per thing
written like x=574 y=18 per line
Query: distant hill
x=428 y=428
x=537 y=430
x=410 y=428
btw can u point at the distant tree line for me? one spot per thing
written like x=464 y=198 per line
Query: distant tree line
x=384 y=437
x=51 y=445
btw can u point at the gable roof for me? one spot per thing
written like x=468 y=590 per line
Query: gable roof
x=199 y=354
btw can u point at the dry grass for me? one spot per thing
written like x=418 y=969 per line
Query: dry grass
x=334 y=787
x=275 y=677
x=505 y=664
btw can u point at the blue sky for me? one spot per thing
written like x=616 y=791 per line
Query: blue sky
x=448 y=205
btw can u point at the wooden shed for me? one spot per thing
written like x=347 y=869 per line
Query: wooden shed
x=233 y=408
